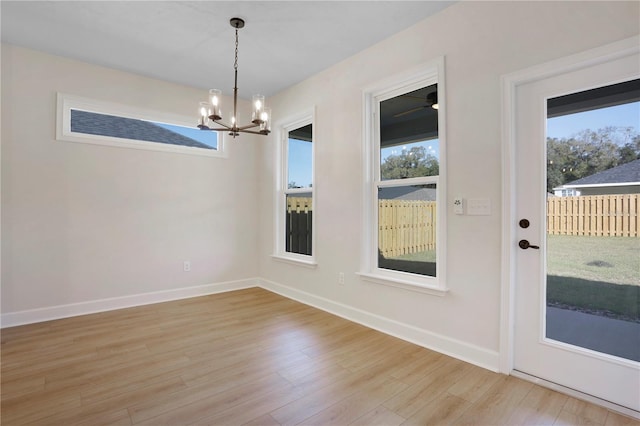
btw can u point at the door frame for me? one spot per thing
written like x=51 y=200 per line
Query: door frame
x=509 y=85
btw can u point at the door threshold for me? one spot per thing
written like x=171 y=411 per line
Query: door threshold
x=577 y=394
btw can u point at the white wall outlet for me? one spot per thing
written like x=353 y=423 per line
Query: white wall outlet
x=341 y=278
x=458 y=205
x=187 y=266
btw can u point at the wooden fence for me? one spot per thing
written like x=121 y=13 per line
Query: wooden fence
x=298 y=225
x=594 y=215
x=406 y=227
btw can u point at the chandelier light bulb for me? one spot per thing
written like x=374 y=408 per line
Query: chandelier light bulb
x=205 y=112
x=265 y=121
x=214 y=99
x=258 y=107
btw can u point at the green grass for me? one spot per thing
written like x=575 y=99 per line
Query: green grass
x=613 y=260
x=600 y=298
x=600 y=275
x=423 y=256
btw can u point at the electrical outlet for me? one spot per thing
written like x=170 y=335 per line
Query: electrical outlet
x=187 y=266
x=341 y=278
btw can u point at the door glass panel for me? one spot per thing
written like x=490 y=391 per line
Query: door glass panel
x=593 y=235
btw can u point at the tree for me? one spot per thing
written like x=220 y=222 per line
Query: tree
x=589 y=152
x=630 y=151
x=415 y=162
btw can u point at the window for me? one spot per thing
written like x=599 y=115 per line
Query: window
x=295 y=199
x=83 y=120
x=405 y=214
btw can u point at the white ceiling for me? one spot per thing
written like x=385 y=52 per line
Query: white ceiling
x=192 y=42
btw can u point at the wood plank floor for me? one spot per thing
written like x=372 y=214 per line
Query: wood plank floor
x=252 y=357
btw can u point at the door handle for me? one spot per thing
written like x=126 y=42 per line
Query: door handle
x=524 y=244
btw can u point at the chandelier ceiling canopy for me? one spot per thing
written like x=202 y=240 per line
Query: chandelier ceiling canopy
x=210 y=112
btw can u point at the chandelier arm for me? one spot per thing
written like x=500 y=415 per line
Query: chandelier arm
x=254 y=132
x=248 y=126
x=225 y=125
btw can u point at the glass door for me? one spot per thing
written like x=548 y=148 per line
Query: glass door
x=576 y=257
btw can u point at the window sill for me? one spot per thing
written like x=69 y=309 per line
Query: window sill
x=404 y=284
x=307 y=263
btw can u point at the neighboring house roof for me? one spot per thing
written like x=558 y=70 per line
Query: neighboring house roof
x=409 y=193
x=128 y=128
x=622 y=175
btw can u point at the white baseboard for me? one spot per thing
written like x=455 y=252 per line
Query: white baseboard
x=476 y=355
x=83 y=308
x=464 y=351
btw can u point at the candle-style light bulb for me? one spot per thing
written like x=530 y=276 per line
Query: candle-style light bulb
x=205 y=111
x=214 y=99
x=265 y=121
x=258 y=108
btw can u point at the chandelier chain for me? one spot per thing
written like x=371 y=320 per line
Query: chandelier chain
x=235 y=65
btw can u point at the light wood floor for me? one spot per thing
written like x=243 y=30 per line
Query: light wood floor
x=256 y=358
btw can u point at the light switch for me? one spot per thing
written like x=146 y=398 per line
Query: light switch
x=479 y=206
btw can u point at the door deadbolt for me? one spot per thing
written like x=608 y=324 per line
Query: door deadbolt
x=524 y=223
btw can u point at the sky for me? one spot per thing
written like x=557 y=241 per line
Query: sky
x=300 y=152
x=626 y=115
x=300 y=162
x=206 y=137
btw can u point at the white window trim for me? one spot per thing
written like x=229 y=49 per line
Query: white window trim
x=280 y=253
x=66 y=102
x=416 y=78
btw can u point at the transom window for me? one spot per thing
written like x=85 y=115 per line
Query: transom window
x=89 y=121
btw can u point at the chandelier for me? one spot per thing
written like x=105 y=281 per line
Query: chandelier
x=211 y=115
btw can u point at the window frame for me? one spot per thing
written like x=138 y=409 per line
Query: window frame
x=416 y=78
x=67 y=102
x=283 y=190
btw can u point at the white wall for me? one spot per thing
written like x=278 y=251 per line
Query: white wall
x=481 y=41
x=83 y=223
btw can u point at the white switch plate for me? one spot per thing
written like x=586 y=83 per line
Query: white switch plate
x=479 y=206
